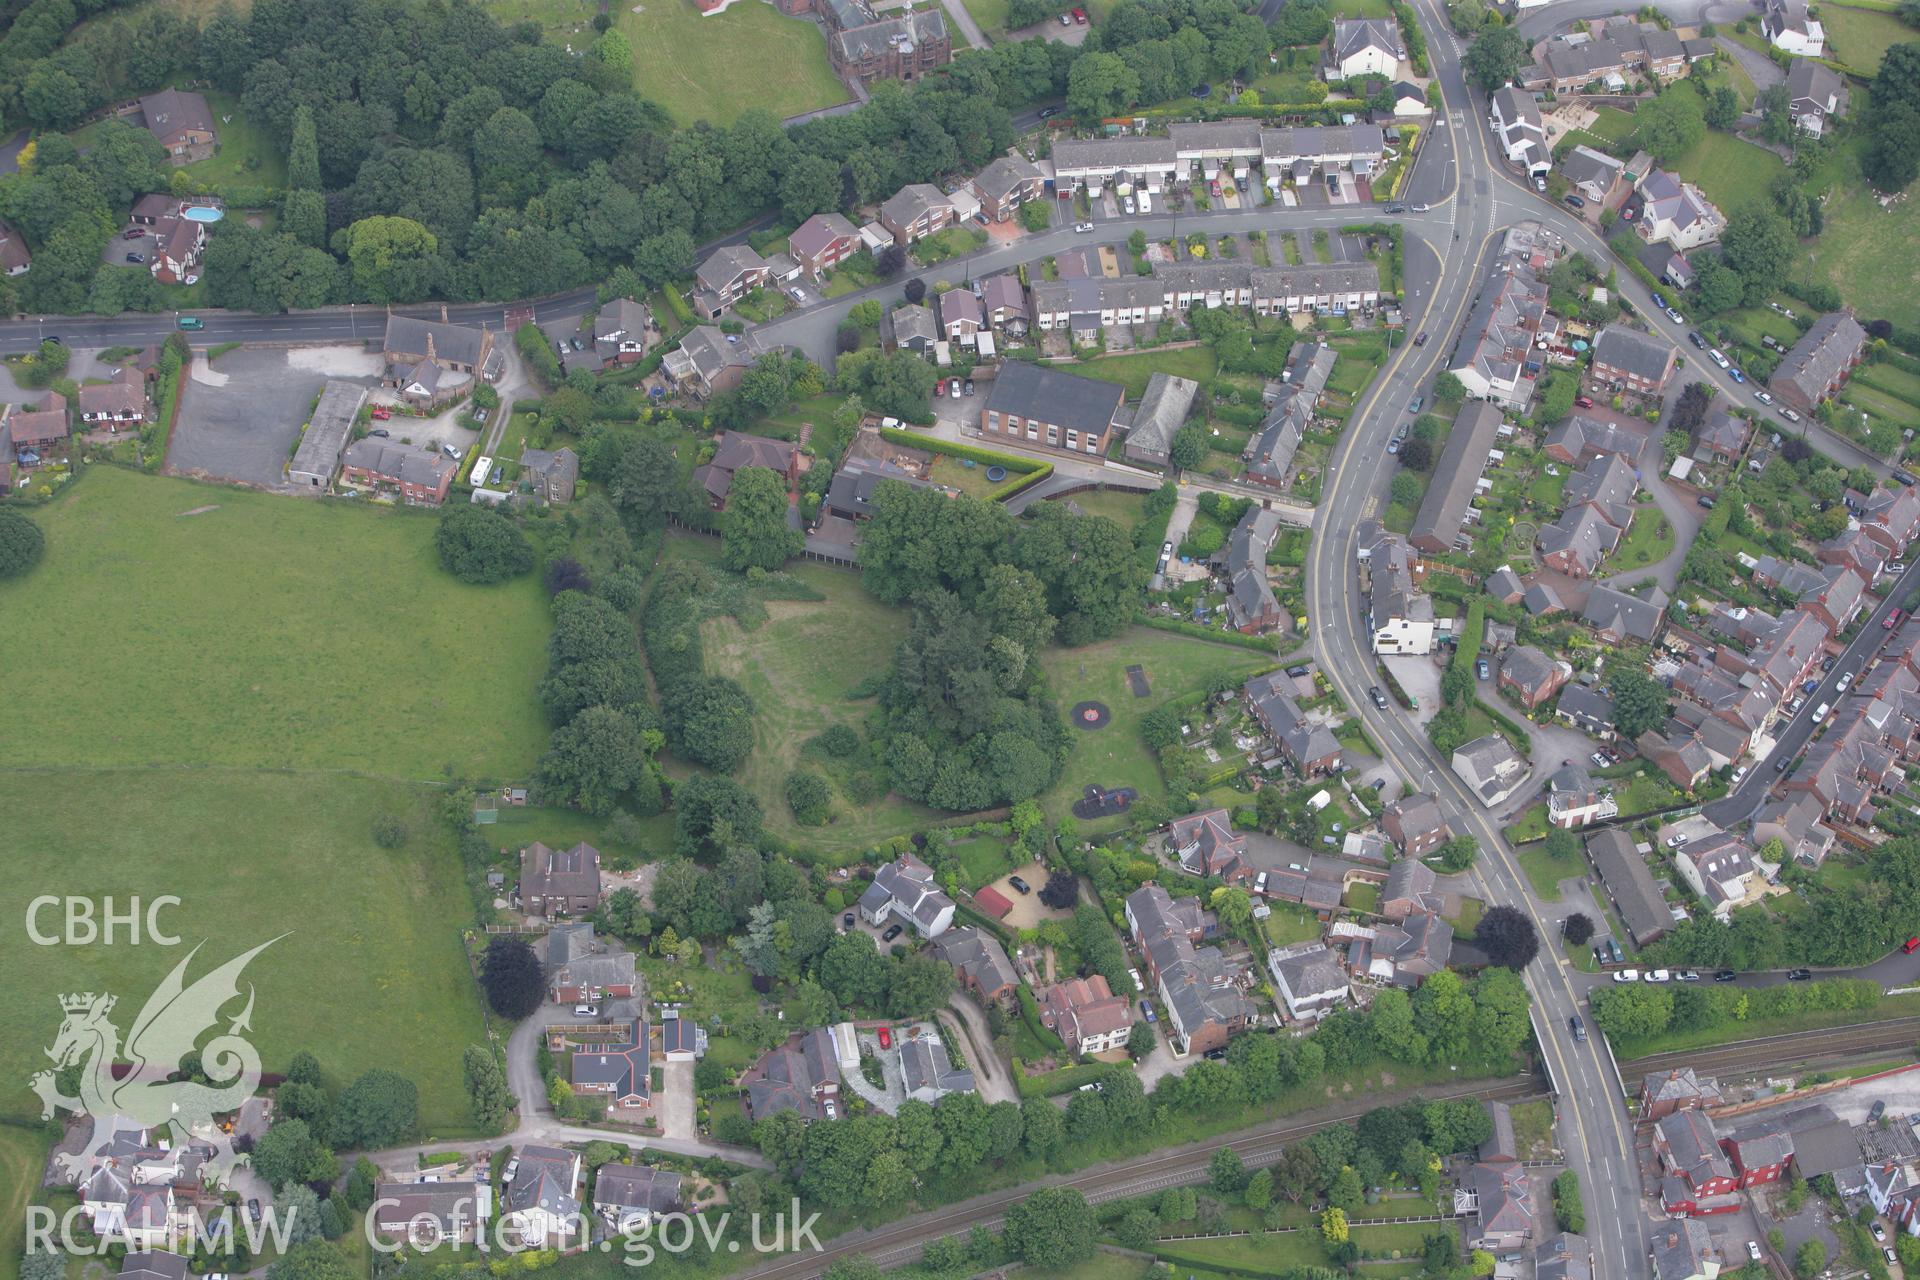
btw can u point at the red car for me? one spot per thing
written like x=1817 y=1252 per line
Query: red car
x=939 y=388
x=1080 y=16
x=381 y=412
x=886 y=1036
x=1894 y=619
x=1585 y=402
x=133 y=233
x=1911 y=945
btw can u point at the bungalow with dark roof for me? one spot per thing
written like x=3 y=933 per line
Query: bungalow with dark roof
x=427 y=1214
x=621 y=1071
x=910 y=328
x=620 y=331
x=1587 y=710
x=629 y=1196
x=802 y=1076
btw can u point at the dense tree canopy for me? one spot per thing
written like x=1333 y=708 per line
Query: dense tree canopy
x=21 y=544
x=481 y=545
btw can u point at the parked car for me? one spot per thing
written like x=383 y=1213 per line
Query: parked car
x=1080 y=16
x=1146 y=1011
x=1789 y=414
x=1675 y=316
x=1687 y=975
x=1846 y=679
x=136 y=257
x=1725 y=975
x=885 y=1036
x=381 y=412
x=968 y=388
x=953 y=388
x=1799 y=975
x=1393 y=446
x=893 y=931
x=1135 y=975
x=1584 y=402
x=1019 y=885
x=1127 y=204
x=1659 y=975
x=381 y=432
x=1659 y=302
x=1705 y=500
x=585 y=1011
x=1763 y=395
x=133 y=233
x=1626 y=975
x=1539 y=184
x=1480 y=668
x=797 y=294
x=497 y=475
x=1873 y=1117
x=1396 y=208
x=1048 y=113
x=1910 y=946
x=1598 y=759
x=1904 y=477
x=1083 y=227
x=1575 y=202
x=1166 y=548
x=1066 y=19
x=846 y=920
x=1697 y=340
x=1713 y=354
x=1675 y=841
x=1894 y=619
x=451 y=451
x=1753 y=1250
x=1736 y=375
x=513 y=1167
x=253 y=1210
x=186 y=322
x=1414 y=406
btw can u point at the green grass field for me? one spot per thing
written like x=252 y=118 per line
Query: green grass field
x=369 y=974
x=1861 y=37
x=715 y=67
x=262 y=633
x=1866 y=252
x=1115 y=756
x=247 y=154
x=23 y=1151
x=1732 y=173
x=1649 y=539
x=1132 y=371
x=798 y=666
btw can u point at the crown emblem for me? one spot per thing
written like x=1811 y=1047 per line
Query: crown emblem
x=85 y=1001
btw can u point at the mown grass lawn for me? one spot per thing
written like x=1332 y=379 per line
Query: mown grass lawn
x=263 y=632
x=247 y=152
x=1861 y=37
x=370 y=972
x=1648 y=540
x=798 y=666
x=1132 y=371
x=719 y=66
x=1732 y=173
x=1115 y=756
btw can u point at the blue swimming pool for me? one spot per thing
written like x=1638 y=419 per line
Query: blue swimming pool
x=200 y=213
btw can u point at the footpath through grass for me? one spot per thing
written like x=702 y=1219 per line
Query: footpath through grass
x=174 y=623
x=370 y=972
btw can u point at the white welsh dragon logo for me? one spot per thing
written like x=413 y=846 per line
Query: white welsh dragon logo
x=131 y=1080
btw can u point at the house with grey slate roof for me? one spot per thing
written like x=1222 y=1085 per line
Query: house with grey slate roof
x=1310 y=978
x=628 y=1196
x=979 y=962
x=1490 y=767
x=1634 y=361
x=1818 y=365
x=1162 y=411
x=1251 y=605
x=904 y=888
x=543 y=1200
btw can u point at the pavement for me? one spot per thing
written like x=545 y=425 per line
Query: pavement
x=958 y=15
x=1480 y=199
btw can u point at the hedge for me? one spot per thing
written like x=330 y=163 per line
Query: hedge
x=1027 y=471
x=1017 y=483
x=1052 y=1083
x=1030 y=1014
x=1194 y=629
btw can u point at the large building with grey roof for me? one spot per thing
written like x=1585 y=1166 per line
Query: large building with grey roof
x=1044 y=406
x=328 y=429
x=1818 y=365
x=1456 y=474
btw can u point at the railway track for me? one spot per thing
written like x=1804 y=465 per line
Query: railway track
x=1792 y=1048
x=901 y=1241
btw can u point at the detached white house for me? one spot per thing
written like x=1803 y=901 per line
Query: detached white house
x=1365 y=47
x=1517 y=126
x=1788 y=25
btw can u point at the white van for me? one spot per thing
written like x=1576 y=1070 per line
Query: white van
x=1820 y=712
x=1146 y=203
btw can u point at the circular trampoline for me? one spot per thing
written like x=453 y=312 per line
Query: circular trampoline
x=1091 y=715
x=996 y=473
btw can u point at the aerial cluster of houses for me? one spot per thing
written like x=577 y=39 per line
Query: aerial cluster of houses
x=1609 y=52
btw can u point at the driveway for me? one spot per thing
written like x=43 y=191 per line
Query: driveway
x=990 y=1074
x=241 y=414
x=1762 y=70
x=676 y=1100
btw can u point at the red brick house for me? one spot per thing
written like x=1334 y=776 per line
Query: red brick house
x=40 y=432
x=1006 y=184
x=1531 y=676
x=421 y=477
x=1760 y=1154
x=823 y=242
x=1415 y=823
x=621 y=1072
x=1690 y=1153
x=734 y=450
x=1664 y=1092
